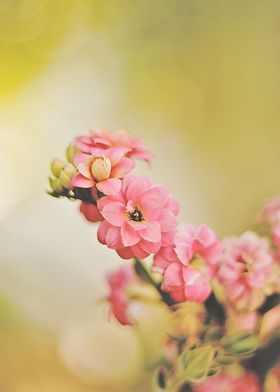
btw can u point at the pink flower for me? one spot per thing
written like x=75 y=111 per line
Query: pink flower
x=103 y=171
x=189 y=263
x=276 y=239
x=90 y=212
x=270 y=214
x=119 y=282
x=139 y=219
x=102 y=139
x=228 y=383
x=245 y=270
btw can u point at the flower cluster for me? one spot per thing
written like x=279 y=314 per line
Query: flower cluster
x=222 y=296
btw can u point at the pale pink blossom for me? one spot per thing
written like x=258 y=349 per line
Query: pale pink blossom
x=246 y=270
x=119 y=281
x=102 y=171
x=90 y=212
x=228 y=383
x=189 y=263
x=139 y=220
x=270 y=213
x=102 y=139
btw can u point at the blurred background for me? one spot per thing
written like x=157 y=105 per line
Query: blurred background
x=198 y=81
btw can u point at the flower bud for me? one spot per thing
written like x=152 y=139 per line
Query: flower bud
x=71 y=151
x=56 y=185
x=101 y=168
x=241 y=344
x=57 y=165
x=66 y=175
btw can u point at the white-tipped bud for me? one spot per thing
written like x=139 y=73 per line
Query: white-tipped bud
x=101 y=168
x=57 y=165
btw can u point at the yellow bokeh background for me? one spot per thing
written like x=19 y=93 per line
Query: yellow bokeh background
x=197 y=80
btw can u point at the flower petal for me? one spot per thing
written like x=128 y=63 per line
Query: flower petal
x=129 y=236
x=112 y=186
x=124 y=166
x=80 y=181
x=152 y=232
x=114 y=213
x=113 y=237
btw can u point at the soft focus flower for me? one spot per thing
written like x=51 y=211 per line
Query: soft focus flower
x=102 y=139
x=90 y=212
x=190 y=263
x=227 y=383
x=119 y=282
x=270 y=213
x=103 y=171
x=241 y=321
x=139 y=219
x=276 y=239
x=246 y=270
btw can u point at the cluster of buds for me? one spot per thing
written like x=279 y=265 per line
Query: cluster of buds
x=221 y=296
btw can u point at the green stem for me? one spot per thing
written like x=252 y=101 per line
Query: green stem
x=142 y=272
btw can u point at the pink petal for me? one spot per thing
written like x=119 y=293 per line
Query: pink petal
x=125 y=253
x=84 y=169
x=124 y=166
x=173 y=277
x=112 y=186
x=167 y=220
x=115 y=155
x=82 y=182
x=152 y=232
x=136 y=188
x=129 y=235
x=114 y=213
x=150 y=247
x=113 y=238
x=81 y=158
x=102 y=232
x=91 y=212
x=139 y=252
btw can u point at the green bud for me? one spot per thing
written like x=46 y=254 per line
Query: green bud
x=56 y=185
x=57 y=165
x=213 y=333
x=241 y=344
x=196 y=364
x=71 y=151
x=70 y=170
x=225 y=359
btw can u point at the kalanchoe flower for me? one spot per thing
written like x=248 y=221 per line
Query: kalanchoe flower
x=228 y=383
x=189 y=263
x=119 y=282
x=128 y=295
x=246 y=270
x=103 y=171
x=102 y=139
x=270 y=213
x=139 y=219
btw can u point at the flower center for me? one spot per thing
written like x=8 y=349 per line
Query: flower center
x=136 y=215
x=197 y=263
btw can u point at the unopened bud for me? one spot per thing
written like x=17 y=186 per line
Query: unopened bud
x=101 y=168
x=57 y=165
x=242 y=344
x=56 y=185
x=67 y=174
x=71 y=151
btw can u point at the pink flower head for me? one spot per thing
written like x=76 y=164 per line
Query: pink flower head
x=246 y=269
x=103 y=171
x=190 y=263
x=119 y=282
x=270 y=213
x=228 y=383
x=139 y=219
x=102 y=139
